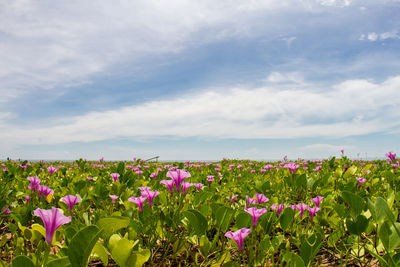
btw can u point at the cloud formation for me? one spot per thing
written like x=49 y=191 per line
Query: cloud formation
x=353 y=107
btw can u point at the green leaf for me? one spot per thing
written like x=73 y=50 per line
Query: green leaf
x=138 y=258
x=81 y=245
x=22 y=261
x=286 y=218
x=121 y=251
x=204 y=245
x=60 y=262
x=356 y=203
x=292 y=259
x=243 y=220
x=310 y=246
x=101 y=252
x=358 y=226
x=110 y=225
x=382 y=210
x=389 y=236
x=224 y=217
x=197 y=221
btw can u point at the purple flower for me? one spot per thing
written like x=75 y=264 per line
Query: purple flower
x=210 y=178
x=198 y=186
x=169 y=184
x=292 y=167
x=35 y=181
x=185 y=185
x=255 y=213
x=27 y=199
x=5 y=210
x=261 y=198
x=232 y=198
x=317 y=200
x=239 y=236
x=313 y=211
x=71 y=201
x=51 y=170
x=153 y=175
x=342 y=151
x=52 y=219
x=301 y=207
x=361 y=180
x=391 y=156
x=115 y=176
x=150 y=195
x=44 y=190
x=178 y=176
x=113 y=198
x=90 y=178
x=138 y=201
x=278 y=208
x=250 y=201
x=263 y=171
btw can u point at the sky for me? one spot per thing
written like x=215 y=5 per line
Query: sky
x=199 y=79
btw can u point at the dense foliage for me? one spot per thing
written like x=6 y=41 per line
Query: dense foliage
x=227 y=213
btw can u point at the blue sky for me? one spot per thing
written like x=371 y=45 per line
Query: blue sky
x=199 y=80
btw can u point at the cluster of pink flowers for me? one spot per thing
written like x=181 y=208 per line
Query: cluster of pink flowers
x=146 y=194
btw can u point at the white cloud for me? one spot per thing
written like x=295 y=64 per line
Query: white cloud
x=354 y=107
x=373 y=36
x=335 y=3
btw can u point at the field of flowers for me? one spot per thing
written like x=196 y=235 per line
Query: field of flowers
x=228 y=213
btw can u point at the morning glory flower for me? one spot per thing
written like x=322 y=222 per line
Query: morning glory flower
x=169 y=184
x=278 y=208
x=210 y=178
x=391 y=156
x=115 y=176
x=232 y=198
x=255 y=213
x=35 y=181
x=185 y=186
x=317 y=200
x=44 y=190
x=261 y=198
x=71 y=201
x=250 y=201
x=52 y=219
x=198 y=186
x=239 y=236
x=361 y=180
x=150 y=195
x=138 y=201
x=113 y=198
x=178 y=176
x=313 y=211
x=292 y=167
x=301 y=207
x=51 y=170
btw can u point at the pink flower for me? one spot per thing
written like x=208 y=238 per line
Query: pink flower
x=263 y=171
x=261 y=198
x=313 y=211
x=239 y=236
x=44 y=190
x=178 y=176
x=71 y=201
x=51 y=170
x=198 y=186
x=52 y=219
x=278 y=208
x=113 y=198
x=169 y=184
x=292 y=167
x=232 y=198
x=150 y=195
x=361 y=180
x=27 y=198
x=5 y=210
x=35 y=181
x=317 y=200
x=138 y=201
x=391 y=156
x=210 y=178
x=153 y=175
x=115 y=176
x=301 y=207
x=185 y=185
x=250 y=201
x=90 y=178
x=255 y=213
